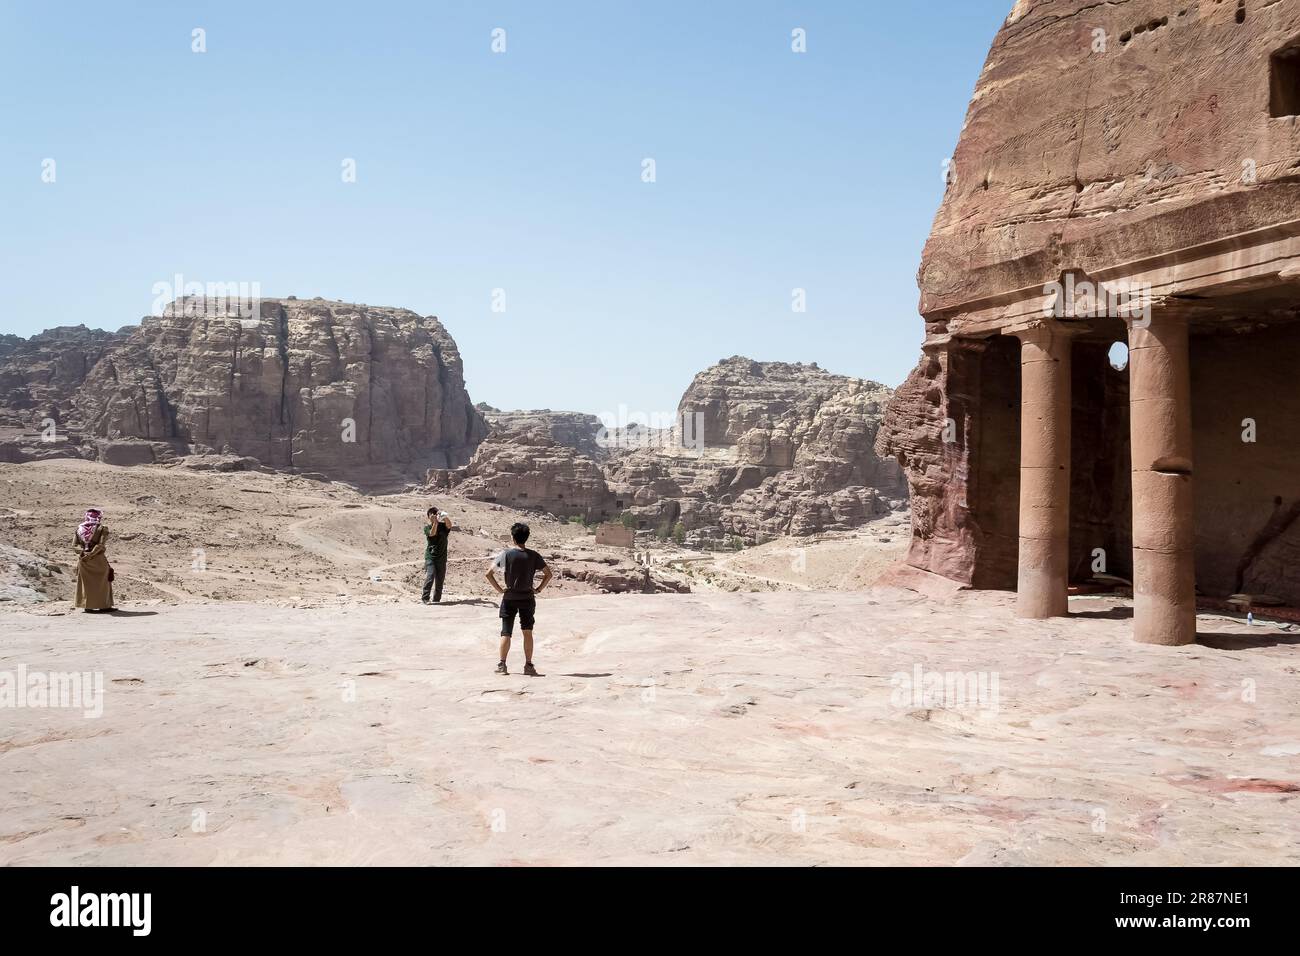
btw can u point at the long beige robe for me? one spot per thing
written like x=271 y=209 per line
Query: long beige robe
x=94 y=589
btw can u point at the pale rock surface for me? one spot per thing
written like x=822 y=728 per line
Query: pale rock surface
x=723 y=729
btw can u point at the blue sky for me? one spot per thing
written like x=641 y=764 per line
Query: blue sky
x=519 y=171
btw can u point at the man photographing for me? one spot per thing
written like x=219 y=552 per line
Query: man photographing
x=435 y=553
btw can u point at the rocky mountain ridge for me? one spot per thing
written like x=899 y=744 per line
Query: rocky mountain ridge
x=357 y=392
x=376 y=397
x=761 y=449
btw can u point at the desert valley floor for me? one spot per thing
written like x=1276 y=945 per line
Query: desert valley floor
x=294 y=703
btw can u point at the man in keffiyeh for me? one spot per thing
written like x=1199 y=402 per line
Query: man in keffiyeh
x=94 y=575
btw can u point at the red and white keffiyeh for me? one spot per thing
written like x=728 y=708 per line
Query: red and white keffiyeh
x=86 y=530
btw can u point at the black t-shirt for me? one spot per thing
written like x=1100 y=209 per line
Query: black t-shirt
x=518 y=566
x=436 y=546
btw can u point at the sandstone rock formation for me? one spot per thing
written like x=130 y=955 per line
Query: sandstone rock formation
x=39 y=378
x=540 y=460
x=1137 y=147
x=764 y=449
x=27 y=578
x=361 y=393
x=376 y=396
x=778 y=449
x=615 y=576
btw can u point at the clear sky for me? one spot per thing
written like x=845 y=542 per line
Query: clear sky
x=520 y=171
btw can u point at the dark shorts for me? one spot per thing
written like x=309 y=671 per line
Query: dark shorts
x=526 y=608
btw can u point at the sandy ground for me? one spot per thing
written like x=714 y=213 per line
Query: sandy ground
x=179 y=535
x=704 y=728
x=292 y=702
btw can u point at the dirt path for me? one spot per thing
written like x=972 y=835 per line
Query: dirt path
x=333 y=550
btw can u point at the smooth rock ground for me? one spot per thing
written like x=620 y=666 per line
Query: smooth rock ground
x=668 y=729
x=294 y=703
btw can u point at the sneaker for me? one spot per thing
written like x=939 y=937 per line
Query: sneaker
x=501 y=668
x=530 y=670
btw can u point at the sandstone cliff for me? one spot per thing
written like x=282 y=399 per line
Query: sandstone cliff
x=767 y=449
x=761 y=450
x=356 y=392
x=540 y=460
x=39 y=376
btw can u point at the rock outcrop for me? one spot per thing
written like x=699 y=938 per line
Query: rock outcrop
x=616 y=576
x=27 y=578
x=761 y=450
x=40 y=376
x=39 y=380
x=767 y=449
x=542 y=460
x=360 y=393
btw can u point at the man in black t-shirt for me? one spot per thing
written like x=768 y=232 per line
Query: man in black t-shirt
x=518 y=565
x=435 y=553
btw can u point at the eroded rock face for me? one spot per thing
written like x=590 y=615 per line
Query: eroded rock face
x=779 y=449
x=39 y=379
x=622 y=577
x=912 y=432
x=353 y=392
x=766 y=449
x=40 y=375
x=1102 y=134
x=27 y=578
x=536 y=460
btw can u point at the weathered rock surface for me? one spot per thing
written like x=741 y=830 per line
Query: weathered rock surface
x=763 y=449
x=40 y=376
x=766 y=449
x=353 y=392
x=622 y=577
x=376 y=396
x=540 y=460
x=686 y=730
x=39 y=379
x=1075 y=156
x=27 y=578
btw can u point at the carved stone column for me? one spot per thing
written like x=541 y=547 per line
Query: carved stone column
x=1044 y=471
x=1164 y=569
